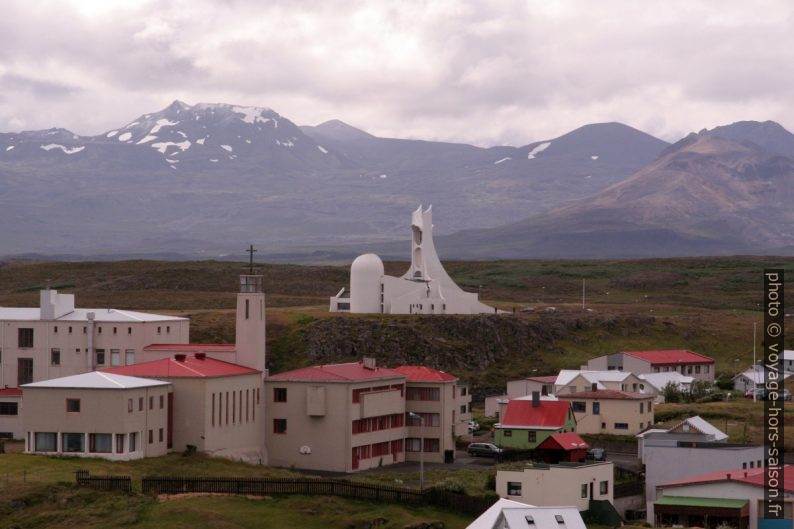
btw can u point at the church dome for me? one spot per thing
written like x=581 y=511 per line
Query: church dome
x=366 y=274
x=368 y=264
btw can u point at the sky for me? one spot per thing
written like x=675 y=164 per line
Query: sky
x=496 y=72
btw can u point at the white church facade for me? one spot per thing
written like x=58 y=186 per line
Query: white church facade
x=425 y=288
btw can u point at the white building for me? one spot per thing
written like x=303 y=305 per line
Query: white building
x=655 y=383
x=753 y=378
x=424 y=289
x=573 y=380
x=508 y=514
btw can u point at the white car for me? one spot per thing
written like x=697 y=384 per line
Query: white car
x=473 y=426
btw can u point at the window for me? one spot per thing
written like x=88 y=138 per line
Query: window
x=413 y=393
x=532 y=436
x=151 y=436
x=85 y=329
x=100 y=443
x=159 y=330
x=759 y=464
x=603 y=487
x=9 y=408
x=24 y=371
x=73 y=405
x=596 y=408
x=129 y=357
x=427 y=419
x=279 y=425
x=697 y=370
x=55 y=330
x=129 y=405
x=688 y=370
x=115 y=330
x=73 y=442
x=46 y=441
x=621 y=426
x=99 y=330
x=167 y=329
x=514 y=488
x=140 y=403
x=160 y=435
x=642 y=407
x=100 y=357
x=584 y=490
x=744 y=465
x=706 y=369
x=129 y=330
x=463 y=409
x=571 y=389
x=25 y=337
x=650 y=406
x=579 y=406
x=151 y=402
x=119 y=443
x=162 y=401
x=246 y=309
x=55 y=357
x=70 y=329
x=413 y=444
x=279 y=394
x=507 y=433
x=133 y=441
x=115 y=357
x=213 y=409
x=257 y=395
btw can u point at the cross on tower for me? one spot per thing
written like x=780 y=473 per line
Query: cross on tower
x=251 y=251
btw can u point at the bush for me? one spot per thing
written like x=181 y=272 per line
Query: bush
x=724 y=382
x=671 y=393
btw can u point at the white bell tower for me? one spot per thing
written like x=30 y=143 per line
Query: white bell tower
x=250 y=325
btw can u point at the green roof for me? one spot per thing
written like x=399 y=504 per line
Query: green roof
x=687 y=501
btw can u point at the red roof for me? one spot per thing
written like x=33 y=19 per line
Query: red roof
x=351 y=372
x=550 y=414
x=671 y=356
x=190 y=367
x=192 y=347
x=750 y=476
x=10 y=392
x=606 y=394
x=424 y=374
x=564 y=441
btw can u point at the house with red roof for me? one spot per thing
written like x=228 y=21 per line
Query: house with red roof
x=689 y=363
x=728 y=497
x=609 y=411
x=216 y=406
x=528 y=423
x=565 y=447
x=336 y=417
x=437 y=409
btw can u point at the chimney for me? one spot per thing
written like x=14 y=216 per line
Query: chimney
x=368 y=362
x=728 y=475
x=535 y=399
x=594 y=386
x=200 y=356
x=180 y=357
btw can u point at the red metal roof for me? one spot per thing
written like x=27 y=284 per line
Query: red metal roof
x=10 y=392
x=192 y=347
x=564 y=441
x=671 y=356
x=350 y=372
x=190 y=367
x=606 y=394
x=750 y=476
x=549 y=414
x=424 y=374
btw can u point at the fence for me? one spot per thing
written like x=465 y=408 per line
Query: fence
x=122 y=483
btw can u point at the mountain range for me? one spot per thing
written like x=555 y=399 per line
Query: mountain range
x=207 y=179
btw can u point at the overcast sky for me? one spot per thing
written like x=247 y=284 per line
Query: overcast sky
x=488 y=72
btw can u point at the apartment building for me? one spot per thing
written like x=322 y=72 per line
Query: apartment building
x=696 y=365
x=98 y=415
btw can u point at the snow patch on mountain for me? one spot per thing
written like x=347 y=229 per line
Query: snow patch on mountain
x=164 y=145
x=227 y=147
x=497 y=162
x=125 y=136
x=160 y=123
x=322 y=149
x=111 y=133
x=537 y=150
x=201 y=141
x=594 y=157
x=146 y=139
x=66 y=150
x=9 y=147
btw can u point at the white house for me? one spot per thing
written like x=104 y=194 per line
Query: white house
x=572 y=484
x=573 y=380
x=424 y=289
x=753 y=378
x=655 y=383
x=508 y=514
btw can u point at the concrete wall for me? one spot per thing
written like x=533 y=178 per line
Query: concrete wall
x=613 y=411
x=492 y=405
x=74 y=356
x=103 y=411
x=664 y=464
x=558 y=485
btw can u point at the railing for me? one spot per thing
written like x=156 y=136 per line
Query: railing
x=122 y=483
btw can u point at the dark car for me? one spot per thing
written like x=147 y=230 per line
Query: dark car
x=483 y=449
x=597 y=454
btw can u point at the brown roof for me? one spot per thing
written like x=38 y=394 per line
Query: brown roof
x=607 y=394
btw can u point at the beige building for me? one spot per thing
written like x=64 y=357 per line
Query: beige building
x=437 y=409
x=218 y=405
x=56 y=339
x=696 y=365
x=610 y=412
x=572 y=484
x=572 y=381
x=98 y=415
x=337 y=417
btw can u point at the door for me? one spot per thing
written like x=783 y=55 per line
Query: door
x=591 y=491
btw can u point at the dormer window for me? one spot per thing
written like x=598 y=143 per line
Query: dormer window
x=559 y=518
x=530 y=519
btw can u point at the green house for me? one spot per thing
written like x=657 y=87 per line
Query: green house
x=527 y=423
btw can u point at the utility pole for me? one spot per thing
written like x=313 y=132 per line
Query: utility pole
x=582 y=293
x=755 y=384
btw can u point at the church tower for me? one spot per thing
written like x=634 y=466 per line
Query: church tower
x=250 y=325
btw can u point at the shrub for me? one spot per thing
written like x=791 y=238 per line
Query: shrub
x=671 y=393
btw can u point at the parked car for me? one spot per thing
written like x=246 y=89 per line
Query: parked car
x=483 y=449
x=473 y=426
x=528 y=310
x=596 y=454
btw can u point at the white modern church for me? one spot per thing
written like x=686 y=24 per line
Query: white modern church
x=424 y=289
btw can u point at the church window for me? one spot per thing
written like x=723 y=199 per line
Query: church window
x=73 y=405
x=55 y=357
x=25 y=337
x=115 y=357
x=257 y=395
x=247 y=400
x=227 y=407
x=234 y=406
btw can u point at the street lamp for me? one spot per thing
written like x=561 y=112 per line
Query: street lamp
x=421 y=448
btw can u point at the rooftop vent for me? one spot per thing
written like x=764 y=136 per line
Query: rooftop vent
x=559 y=518
x=201 y=356
x=530 y=519
x=180 y=357
x=368 y=362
